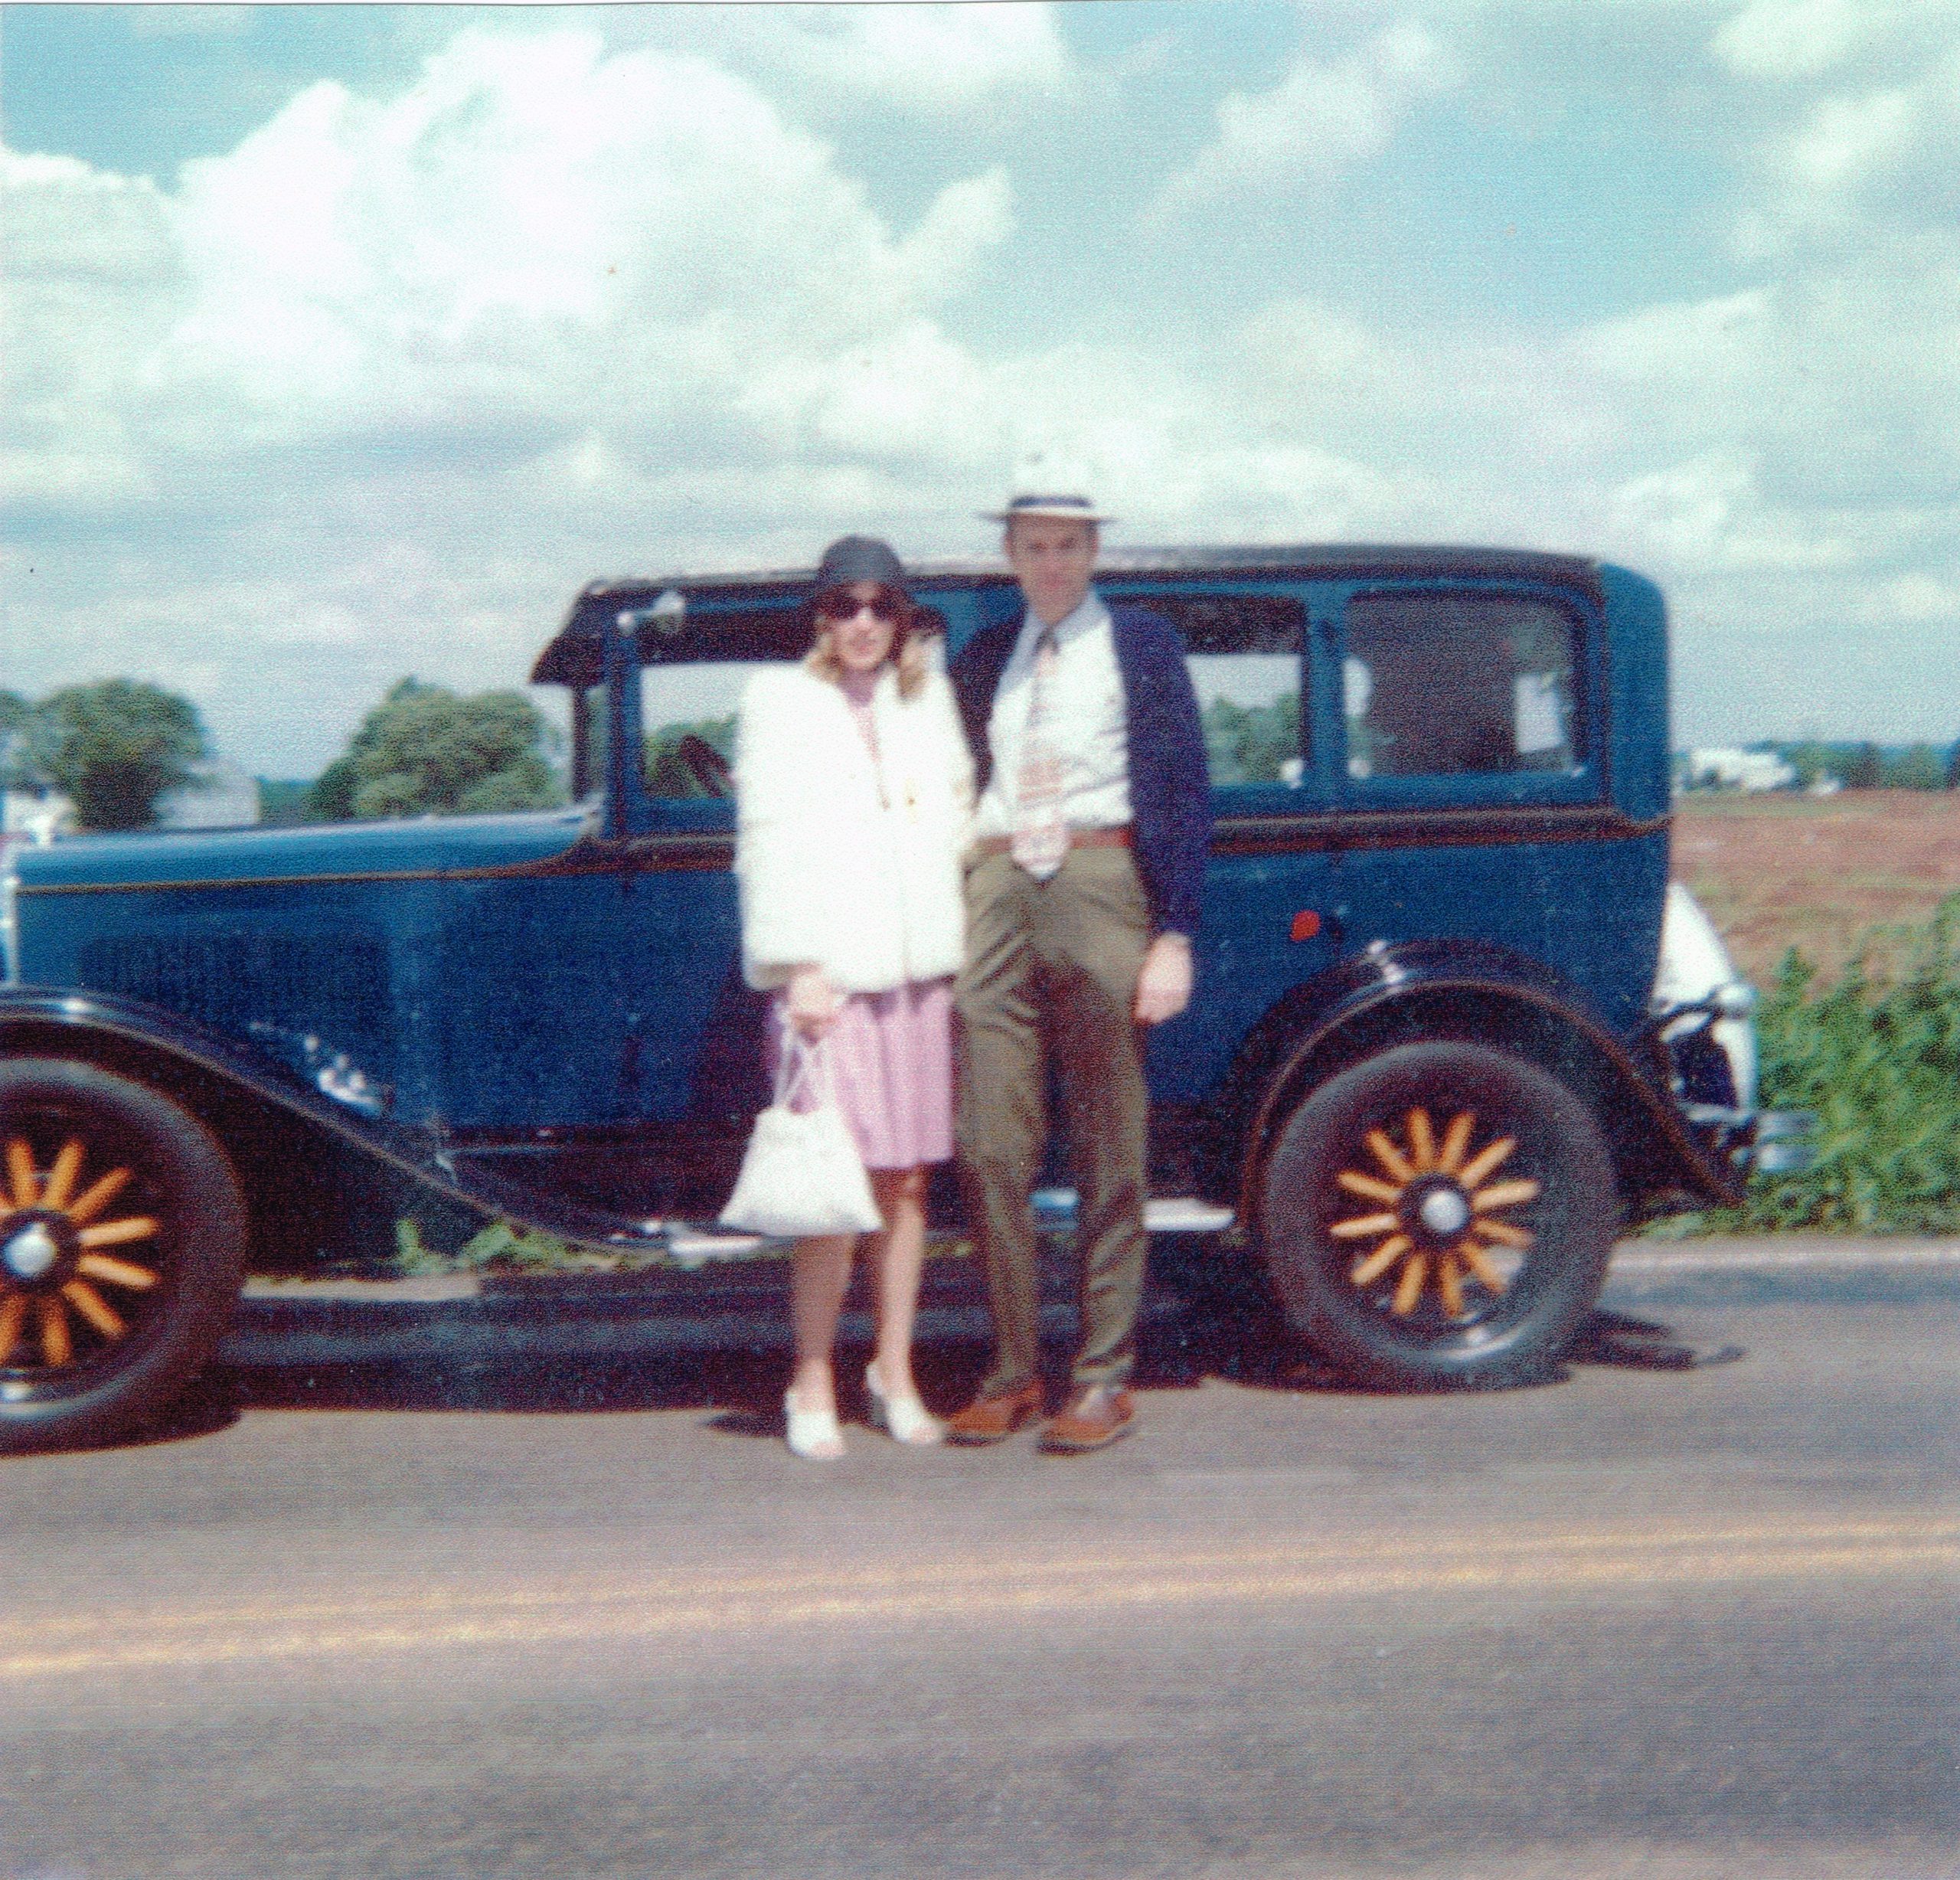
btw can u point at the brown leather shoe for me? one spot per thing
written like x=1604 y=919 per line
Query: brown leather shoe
x=993 y=1419
x=1095 y=1417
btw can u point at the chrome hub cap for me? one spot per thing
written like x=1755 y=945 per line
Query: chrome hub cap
x=1445 y=1211
x=31 y=1253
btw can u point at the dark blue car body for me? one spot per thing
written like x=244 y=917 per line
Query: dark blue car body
x=1440 y=799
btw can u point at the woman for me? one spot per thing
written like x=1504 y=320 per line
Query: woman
x=854 y=787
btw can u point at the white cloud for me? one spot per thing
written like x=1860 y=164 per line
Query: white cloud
x=90 y=278
x=1844 y=379
x=910 y=393
x=540 y=229
x=1699 y=341
x=379 y=389
x=1320 y=117
x=967 y=221
x=1785 y=39
x=1874 y=144
x=927 y=60
x=961 y=66
x=1920 y=598
x=1710 y=515
x=545 y=306
x=1848 y=139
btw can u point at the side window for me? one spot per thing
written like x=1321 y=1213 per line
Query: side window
x=1443 y=682
x=691 y=691
x=687 y=711
x=1244 y=653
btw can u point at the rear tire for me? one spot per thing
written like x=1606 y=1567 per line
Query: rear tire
x=122 y=1249
x=1403 y=1273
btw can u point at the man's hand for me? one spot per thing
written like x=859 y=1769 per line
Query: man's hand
x=812 y=1002
x=1164 y=986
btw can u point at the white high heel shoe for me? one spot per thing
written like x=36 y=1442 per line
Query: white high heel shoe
x=906 y=1418
x=813 y=1434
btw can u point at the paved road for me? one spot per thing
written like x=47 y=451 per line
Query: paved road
x=1688 y=1611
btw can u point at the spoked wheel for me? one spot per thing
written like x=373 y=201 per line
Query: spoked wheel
x=1441 y=1213
x=122 y=1242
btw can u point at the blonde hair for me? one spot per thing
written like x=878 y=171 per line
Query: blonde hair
x=911 y=636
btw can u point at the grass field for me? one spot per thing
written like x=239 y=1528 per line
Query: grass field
x=1815 y=873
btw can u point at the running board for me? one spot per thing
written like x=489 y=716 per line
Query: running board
x=1162 y=1214
x=1054 y=1208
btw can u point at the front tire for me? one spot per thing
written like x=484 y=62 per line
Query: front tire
x=1440 y=1214
x=121 y=1248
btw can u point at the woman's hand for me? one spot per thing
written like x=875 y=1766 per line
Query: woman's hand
x=812 y=1002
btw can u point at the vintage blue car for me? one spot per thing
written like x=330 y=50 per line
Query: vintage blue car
x=1424 y=1081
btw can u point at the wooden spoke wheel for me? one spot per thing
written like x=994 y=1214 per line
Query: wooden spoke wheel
x=122 y=1241
x=1440 y=1213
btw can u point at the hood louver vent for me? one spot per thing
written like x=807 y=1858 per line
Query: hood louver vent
x=334 y=987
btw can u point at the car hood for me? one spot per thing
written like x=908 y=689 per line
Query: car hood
x=440 y=845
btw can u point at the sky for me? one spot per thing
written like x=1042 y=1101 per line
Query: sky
x=342 y=343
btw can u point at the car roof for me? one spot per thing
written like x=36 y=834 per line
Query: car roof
x=573 y=658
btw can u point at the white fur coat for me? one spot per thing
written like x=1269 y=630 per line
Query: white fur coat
x=845 y=863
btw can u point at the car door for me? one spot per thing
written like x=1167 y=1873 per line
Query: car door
x=1472 y=782
x=1267 y=919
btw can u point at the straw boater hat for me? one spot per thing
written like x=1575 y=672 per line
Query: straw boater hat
x=1046 y=489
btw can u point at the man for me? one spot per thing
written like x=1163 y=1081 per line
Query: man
x=1082 y=897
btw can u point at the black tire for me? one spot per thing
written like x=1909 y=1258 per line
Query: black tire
x=1405 y=1276
x=108 y=1306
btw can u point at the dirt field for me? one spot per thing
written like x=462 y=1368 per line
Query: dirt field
x=1816 y=874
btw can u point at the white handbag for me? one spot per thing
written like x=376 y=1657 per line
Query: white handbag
x=801 y=1175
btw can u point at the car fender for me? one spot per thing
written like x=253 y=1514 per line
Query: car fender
x=1394 y=992
x=213 y=1075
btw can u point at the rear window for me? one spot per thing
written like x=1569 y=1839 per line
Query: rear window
x=1244 y=652
x=1449 y=682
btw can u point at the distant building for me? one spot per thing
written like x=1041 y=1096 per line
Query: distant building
x=1721 y=767
x=29 y=816
x=219 y=796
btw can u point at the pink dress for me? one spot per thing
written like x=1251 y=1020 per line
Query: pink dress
x=889 y=1053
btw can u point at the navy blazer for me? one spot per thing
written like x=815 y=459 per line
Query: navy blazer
x=1170 y=781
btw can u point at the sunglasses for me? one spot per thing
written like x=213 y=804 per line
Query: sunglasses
x=839 y=603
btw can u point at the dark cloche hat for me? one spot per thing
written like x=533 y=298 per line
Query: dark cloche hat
x=859 y=558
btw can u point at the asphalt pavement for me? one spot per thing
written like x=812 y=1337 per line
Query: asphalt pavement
x=384 y=1606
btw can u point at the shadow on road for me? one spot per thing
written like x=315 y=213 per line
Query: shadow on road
x=1185 y=1340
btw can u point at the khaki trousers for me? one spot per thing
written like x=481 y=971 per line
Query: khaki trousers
x=1050 y=980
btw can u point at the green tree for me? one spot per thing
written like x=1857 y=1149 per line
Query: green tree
x=15 y=713
x=1867 y=769
x=669 y=773
x=112 y=748
x=1251 y=744
x=1918 y=768
x=283 y=802
x=1811 y=759
x=1953 y=767
x=426 y=750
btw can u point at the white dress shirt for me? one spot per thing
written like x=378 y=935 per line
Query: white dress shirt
x=1088 y=723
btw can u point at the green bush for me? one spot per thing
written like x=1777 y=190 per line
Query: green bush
x=1876 y=1057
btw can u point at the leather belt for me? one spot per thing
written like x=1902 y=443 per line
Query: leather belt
x=1116 y=838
